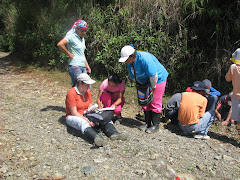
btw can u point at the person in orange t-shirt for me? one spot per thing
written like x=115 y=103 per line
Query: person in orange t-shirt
x=78 y=101
x=192 y=116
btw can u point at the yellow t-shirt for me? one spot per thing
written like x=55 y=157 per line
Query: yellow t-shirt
x=192 y=108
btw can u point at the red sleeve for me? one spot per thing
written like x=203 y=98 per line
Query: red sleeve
x=71 y=98
x=189 y=89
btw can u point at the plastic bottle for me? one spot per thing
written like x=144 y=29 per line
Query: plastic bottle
x=171 y=174
x=163 y=168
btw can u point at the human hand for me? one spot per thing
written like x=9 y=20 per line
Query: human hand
x=71 y=56
x=219 y=116
x=100 y=106
x=91 y=124
x=113 y=106
x=88 y=69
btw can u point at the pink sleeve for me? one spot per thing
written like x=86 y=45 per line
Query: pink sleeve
x=104 y=85
x=122 y=86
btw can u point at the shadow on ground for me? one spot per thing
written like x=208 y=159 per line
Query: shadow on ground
x=54 y=108
x=224 y=139
x=176 y=129
x=76 y=132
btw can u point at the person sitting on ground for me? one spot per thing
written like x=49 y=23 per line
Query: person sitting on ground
x=211 y=94
x=172 y=106
x=192 y=117
x=223 y=109
x=111 y=93
x=78 y=100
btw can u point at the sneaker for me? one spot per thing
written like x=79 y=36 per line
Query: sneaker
x=206 y=137
x=198 y=136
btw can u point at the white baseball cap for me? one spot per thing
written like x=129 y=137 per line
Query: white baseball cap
x=236 y=56
x=126 y=52
x=85 y=78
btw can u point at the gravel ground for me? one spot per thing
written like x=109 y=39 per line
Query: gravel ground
x=35 y=142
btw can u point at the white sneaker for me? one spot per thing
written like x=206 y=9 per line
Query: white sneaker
x=206 y=137
x=198 y=136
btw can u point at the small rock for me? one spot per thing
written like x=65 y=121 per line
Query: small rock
x=88 y=170
x=99 y=160
x=4 y=169
x=228 y=158
x=200 y=167
x=217 y=157
x=66 y=168
x=58 y=176
x=154 y=156
x=140 y=172
x=45 y=174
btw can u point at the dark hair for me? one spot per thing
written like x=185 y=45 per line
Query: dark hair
x=76 y=83
x=115 y=79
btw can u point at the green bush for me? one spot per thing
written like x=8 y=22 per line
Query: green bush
x=192 y=39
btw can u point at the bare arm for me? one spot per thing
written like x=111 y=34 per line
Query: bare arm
x=98 y=99
x=87 y=66
x=119 y=100
x=229 y=114
x=62 y=46
x=218 y=115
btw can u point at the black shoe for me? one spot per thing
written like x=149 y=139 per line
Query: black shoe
x=98 y=140
x=152 y=129
x=119 y=136
x=155 y=121
x=143 y=127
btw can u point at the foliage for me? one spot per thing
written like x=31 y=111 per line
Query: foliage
x=193 y=39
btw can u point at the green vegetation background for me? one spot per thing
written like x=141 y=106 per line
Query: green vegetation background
x=193 y=39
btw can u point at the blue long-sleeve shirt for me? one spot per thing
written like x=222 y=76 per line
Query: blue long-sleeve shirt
x=147 y=65
x=214 y=92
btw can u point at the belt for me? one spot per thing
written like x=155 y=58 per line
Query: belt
x=187 y=124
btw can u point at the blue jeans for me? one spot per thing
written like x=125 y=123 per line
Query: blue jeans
x=212 y=101
x=202 y=126
x=74 y=71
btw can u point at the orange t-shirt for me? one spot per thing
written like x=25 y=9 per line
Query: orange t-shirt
x=80 y=101
x=192 y=108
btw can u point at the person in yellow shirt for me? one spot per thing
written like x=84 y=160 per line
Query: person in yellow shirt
x=192 y=116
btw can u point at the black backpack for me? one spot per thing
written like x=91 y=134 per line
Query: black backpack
x=100 y=117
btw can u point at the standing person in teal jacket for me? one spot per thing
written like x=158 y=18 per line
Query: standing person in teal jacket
x=147 y=68
x=73 y=45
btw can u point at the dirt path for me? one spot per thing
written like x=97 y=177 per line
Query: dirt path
x=36 y=144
